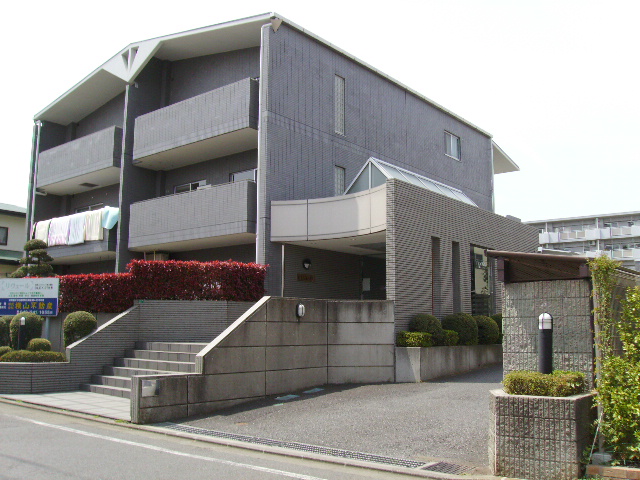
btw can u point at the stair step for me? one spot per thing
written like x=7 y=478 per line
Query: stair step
x=165 y=365
x=161 y=355
x=130 y=372
x=180 y=347
x=107 y=390
x=111 y=381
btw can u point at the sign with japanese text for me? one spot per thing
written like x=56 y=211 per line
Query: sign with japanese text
x=37 y=295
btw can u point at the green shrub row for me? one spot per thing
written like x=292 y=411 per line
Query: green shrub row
x=27 y=356
x=32 y=327
x=557 y=384
x=4 y=350
x=39 y=345
x=469 y=330
x=413 y=339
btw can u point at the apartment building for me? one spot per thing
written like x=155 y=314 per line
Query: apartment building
x=255 y=140
x=12 y=237
x=616 y=235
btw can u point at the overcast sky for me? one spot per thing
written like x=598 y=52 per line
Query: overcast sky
x=555 y=82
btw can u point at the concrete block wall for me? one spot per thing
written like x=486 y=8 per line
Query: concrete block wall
x=414 y=217
x=540 y=438
x=569 y=302
x=270 y=351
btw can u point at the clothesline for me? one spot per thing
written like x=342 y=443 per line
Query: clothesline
x=77 y=228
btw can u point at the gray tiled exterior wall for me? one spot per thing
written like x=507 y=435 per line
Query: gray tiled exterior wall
x=299 y=147
x=238 y=253
x=107 y=244
x=223 y=110
x=195 y=76
x=85 y=155
x=109 y=196
x=414 y=216
x=219 y=210
x=111 y=113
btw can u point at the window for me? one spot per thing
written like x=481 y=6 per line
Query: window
x=189 y=187
x=4 y=235
x=338 y=94
x=243 y=175
x=88 y=208
x=338 y=176
x=452 y=145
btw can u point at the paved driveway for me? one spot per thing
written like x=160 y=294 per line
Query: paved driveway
x=446 y=419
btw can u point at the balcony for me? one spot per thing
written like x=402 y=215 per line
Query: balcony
x=84 y=163
x=212 y=125
x=213 y=216
x=93 y=251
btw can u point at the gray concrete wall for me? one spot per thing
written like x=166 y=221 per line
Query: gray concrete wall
x=542 y=438
x=332 y=274
x=195 y=76
x=237 y=253
x=414 y=216
x=109 y=196
x=111 y=113
x=270 y=351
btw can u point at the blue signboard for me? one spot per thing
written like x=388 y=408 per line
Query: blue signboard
x=37 y=295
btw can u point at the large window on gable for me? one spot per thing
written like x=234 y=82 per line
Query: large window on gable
x=452 y=145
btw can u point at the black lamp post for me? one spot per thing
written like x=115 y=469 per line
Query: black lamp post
x=545 y=343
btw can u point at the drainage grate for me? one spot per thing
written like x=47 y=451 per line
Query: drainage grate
x=334 y=452
x=452 y=468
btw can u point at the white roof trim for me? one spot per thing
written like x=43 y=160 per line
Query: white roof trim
x=502 y=162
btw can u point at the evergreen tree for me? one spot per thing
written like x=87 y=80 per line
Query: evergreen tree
x=36 y=261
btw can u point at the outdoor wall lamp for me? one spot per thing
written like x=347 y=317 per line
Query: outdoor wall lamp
x=306 y=264
x=300 y=310
x=545 y=343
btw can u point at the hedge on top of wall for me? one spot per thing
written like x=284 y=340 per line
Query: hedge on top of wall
x=162 y=280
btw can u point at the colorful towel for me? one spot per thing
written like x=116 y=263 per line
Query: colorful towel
x=93 y=225
x=59 y=231
x=76 y=228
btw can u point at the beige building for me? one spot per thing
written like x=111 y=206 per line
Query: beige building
x=12 y=237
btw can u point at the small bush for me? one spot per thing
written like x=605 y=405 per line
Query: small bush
x=39 y=345
x=557 y=384
x=4 y=350
x=5 y=338
x=33 y=327
x=464 y=325
x=488 y=331
x=27 y=356
x=413 y=339
x=498 y=319
x=78 y=325
x=428 y=324
x=450 y=338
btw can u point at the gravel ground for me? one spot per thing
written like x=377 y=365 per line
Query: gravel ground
x=446 y=419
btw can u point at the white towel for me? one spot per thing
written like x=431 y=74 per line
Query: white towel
x=93 y=225
x=59 y=231
x=76 y=228
x=42 y=230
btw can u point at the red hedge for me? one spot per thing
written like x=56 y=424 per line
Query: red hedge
x=156 y=280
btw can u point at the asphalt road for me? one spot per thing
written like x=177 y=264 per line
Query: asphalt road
x=439 y=420
x=40 y=445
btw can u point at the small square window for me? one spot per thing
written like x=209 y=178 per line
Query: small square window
x=4 y=235
x=243 y=175
x=452 y=145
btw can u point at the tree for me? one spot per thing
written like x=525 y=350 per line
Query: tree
x=36 y=261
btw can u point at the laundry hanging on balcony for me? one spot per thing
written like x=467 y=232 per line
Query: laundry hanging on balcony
x=77 y=228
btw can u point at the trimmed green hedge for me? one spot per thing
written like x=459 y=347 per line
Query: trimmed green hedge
x=27 y=356
x=450 y=338
x=557 y=384
x=4 y=350
x=464 y=325
x=5 y=338
x=33 y=327
x=78 y=325
x=413 y=339
x=428 y=324
x=498 y=319
x=39 y=345
x=488 y=331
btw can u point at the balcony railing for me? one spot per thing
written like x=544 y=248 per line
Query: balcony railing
x=212 y=125
x=212 y=216
x=81 y=164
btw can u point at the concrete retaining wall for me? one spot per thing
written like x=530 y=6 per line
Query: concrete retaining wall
x=270 y=351
x=541 y=438
x=149 y=320
x=414 y=364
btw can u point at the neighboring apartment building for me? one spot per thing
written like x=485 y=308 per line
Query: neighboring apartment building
x=614 y=234
x=12 y=237
x=239 y=140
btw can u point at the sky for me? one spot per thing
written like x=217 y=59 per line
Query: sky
x=556 y=82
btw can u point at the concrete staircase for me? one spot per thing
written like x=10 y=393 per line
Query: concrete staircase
x=148 y=358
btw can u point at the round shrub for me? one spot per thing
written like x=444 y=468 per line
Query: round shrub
x=32 y=327
x=5 y=338
x=428 y=324
x=413 y=339
x=450 y=338
x=77 y=325
x=488 y=331
x=27 y=356
x=4 y=350
x=464 y=325
x=498 y=319
x=39 y=345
